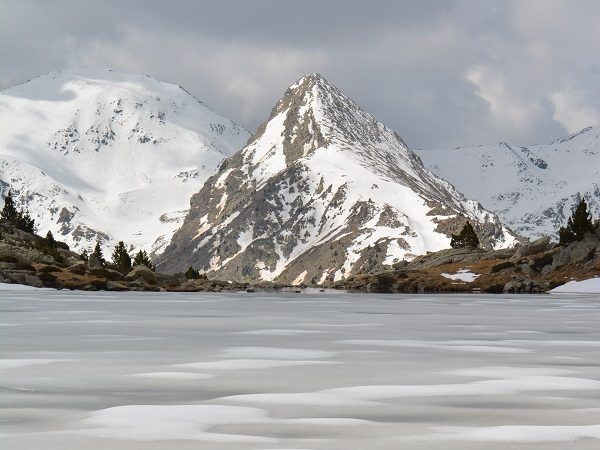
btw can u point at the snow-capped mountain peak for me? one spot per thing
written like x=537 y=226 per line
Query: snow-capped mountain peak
x=321 y=191
x=532 y=188
x=100 y=154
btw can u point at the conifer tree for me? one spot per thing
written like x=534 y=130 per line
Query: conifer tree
x=121 y=259
x=50 y=241
x=578 y=225
x=24 y=222
x=192 y=274
x=9 y=212
x=142 y=258
x=20 y=219
x=467 y=238
x=97 y=253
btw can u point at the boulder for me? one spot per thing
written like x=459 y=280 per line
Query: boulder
x=50 y=268
x=501 y=266
x=32 y=280
x=39 y=257
x=7 y=265
x=576 y=252
x=167 y=281
x=79 y=268
x=531 y=248
x=194 y=286
x=523 y=286
x=17 y=276
x=109 y=274
x=143 y=272
x=116 y=286
x=504 y=253
x=448 y=256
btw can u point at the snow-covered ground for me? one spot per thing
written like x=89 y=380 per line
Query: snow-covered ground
x=462 y=275
x=310 y=371
x=579 y=287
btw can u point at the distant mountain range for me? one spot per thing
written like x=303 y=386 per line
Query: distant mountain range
x=322 y=191
x=532 y=188
x=96 y=154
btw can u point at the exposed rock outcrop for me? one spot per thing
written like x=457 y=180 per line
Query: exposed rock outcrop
x=533 y=267
x=26 y=259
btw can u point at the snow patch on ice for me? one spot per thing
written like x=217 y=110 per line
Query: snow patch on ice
x=173 y=375
x=276 y=353
x=521 y=433
x=249 y=364
x=173 y=422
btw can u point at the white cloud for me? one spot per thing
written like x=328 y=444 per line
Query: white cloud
x=507 y=110
x=441 y=73
x=573 y=111
x=240 y=80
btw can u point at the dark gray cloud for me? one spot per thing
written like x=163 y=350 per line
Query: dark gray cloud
x=441 y=73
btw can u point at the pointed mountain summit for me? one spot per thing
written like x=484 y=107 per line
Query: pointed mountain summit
x=320 y=192
x=99 y=154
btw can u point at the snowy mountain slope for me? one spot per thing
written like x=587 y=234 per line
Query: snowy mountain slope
x=532 y=188
x=323 y=190
x=93 y=153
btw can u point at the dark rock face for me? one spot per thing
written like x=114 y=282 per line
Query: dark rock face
x=322 y=191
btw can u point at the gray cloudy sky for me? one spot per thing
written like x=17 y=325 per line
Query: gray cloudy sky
x=441 y=73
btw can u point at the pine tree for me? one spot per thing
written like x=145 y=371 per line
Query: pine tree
x=9 y=212
x=121 y=259
x=578 y=225
x=467 y=238
x=19 y=219
x=97 y=253
x=24 y=222
x=142 y=258
x=50 y=241
x=192 y=274
x=84 y=255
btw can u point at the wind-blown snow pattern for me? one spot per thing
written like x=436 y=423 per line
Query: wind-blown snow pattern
x=97 y=154
x=322 y=191
x=532 y=188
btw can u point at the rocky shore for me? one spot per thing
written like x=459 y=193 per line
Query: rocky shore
x=24 y=260
x=533 y=267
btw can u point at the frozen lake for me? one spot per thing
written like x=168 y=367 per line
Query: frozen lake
x=252 y=371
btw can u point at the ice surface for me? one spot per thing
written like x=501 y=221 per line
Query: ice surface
x=298 y=371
